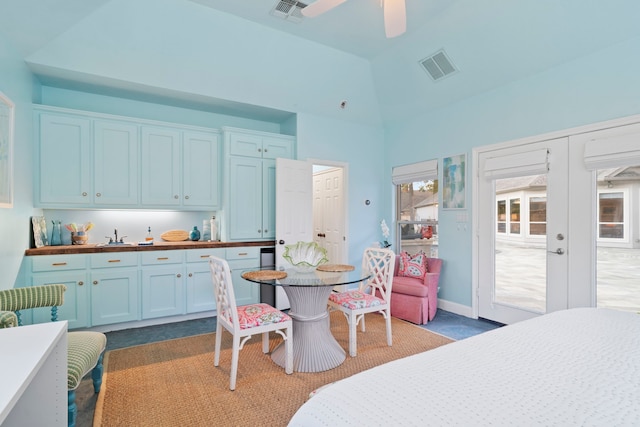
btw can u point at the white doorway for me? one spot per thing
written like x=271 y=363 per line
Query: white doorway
x=329 y=219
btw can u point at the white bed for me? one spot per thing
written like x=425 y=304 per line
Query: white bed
x=572 y=367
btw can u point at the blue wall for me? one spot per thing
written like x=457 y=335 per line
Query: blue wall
x=576 y=93
x=16 y=83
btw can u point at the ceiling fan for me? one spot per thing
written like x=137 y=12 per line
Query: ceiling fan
x=395 y=14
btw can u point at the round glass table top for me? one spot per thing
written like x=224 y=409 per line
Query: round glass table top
x=309 y=278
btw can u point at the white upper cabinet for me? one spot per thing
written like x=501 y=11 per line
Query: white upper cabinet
x=90 y=160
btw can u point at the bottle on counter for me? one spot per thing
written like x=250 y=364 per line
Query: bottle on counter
x=214 y=229
x=149 y=237
x=195 y=234
x=206 y=230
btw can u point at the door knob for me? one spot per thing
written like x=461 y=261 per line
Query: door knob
x=558 y=251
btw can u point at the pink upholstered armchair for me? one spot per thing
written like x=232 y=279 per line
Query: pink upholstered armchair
x=413 y=299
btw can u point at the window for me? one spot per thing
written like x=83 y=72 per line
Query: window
x=502 y=216
x=538 y=216
x=611 y=215
x=514 y=205
x=418 y=216
x=417 y=207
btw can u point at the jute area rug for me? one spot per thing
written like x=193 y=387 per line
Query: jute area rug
x=174 y=383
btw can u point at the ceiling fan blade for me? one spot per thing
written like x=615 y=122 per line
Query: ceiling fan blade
x=395 y=18
x=320 y=6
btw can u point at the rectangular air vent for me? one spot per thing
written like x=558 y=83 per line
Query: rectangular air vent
x=291 y=10
x=438 y=65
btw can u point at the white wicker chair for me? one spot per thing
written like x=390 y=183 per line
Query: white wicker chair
x=373 y=295
x=244 y=321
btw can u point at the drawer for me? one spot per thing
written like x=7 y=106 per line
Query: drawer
x=58 y=262
x=114 y=259
x=242 y=253
x=202 y=255
x=162 y=257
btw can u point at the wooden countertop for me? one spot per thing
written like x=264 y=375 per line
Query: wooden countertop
x=93 y=248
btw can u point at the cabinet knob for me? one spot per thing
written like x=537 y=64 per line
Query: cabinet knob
x=186 y=197
x=266 y=231
x=265 y=150
x=178 y=275
x=95 y=282
x=259 y=150
x=259 y=231
x=98 y=194
x=176 y=197
x=84 y=194
x=80 y=283
x=190 y=274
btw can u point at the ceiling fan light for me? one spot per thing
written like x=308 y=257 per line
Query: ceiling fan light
x=320 y=6
x=395 y=18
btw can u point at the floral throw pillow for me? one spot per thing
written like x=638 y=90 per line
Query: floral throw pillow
x=413 y=266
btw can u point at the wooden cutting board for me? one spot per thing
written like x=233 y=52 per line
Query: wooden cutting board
x=175 y=236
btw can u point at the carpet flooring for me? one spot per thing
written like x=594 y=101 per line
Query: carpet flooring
x=174 y=382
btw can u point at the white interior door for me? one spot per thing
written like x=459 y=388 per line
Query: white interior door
x=522 y=230
x=294 y=204
x=294 y=211
x=328 y=213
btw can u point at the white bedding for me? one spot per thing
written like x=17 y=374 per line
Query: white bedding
x=572 y=367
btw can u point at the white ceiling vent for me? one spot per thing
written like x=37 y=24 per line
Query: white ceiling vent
x=290 y=10
x=438 y=65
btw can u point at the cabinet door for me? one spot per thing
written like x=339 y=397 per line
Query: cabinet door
x=162 y=291
x=246 y=292
x=114 y=296
x=243 y=144
x=76 y=298
x=201 y=170
x=160 y=167
x=200 y=295
x=199 y=289
x=115 y=163
x=269 y=199
x=241 y=259
x=245 y=198
x=274 y=147
x=65 y=177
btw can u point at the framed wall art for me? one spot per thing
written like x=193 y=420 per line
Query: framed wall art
x=6 y=151
x=454 y=174
x=39 y=227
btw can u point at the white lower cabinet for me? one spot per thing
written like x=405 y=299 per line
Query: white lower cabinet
x=162 y=284
x=71 y=271
x=240 y=260
x=200 y=295
x=114 y=288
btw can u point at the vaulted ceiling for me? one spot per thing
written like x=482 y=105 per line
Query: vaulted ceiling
x=491 y=42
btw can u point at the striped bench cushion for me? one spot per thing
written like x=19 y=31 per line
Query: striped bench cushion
x=32 y=297
x=84 y=349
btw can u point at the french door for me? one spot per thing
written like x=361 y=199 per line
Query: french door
x=558 y=222
x=522 y=230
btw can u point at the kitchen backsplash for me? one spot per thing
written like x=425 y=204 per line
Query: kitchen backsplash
x=132 y=224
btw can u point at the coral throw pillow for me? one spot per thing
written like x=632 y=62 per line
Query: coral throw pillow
x=415 y=266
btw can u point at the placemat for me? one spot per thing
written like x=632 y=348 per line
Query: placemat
x=335 y=267
x=264 y=275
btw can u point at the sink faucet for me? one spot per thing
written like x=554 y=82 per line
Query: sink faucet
x=114 y=239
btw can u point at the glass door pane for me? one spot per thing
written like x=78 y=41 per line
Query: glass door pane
x=618 y=252
x=520 y=239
